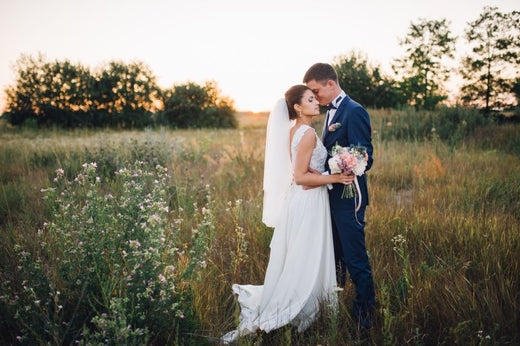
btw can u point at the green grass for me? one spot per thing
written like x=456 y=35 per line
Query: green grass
x=455 y=277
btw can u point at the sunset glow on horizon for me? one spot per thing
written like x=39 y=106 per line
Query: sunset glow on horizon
x=253 y=51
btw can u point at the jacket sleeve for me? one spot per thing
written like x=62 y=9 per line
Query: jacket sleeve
x=360 y=131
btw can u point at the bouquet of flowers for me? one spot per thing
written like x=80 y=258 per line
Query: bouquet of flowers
x=351 y=159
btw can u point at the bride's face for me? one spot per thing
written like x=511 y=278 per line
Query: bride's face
x=309 y=104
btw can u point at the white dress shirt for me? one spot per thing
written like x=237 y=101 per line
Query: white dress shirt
x=336 y=102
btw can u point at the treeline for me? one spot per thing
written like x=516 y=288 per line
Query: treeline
x=61 y=93
x=119 y=94
x=490 y=70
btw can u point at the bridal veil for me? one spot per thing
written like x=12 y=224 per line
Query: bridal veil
x=277 y=164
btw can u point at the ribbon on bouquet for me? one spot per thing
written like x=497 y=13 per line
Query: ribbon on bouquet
x=356 y=203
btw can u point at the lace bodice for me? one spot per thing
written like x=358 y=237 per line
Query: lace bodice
x=319 y=154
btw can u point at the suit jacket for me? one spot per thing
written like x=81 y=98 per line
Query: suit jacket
x=355 y=129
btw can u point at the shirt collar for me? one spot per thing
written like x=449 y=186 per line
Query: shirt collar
x=338 y=99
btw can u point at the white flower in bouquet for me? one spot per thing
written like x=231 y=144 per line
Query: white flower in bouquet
x=334 y=165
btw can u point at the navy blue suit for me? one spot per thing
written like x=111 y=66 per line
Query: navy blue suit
x=349 y=235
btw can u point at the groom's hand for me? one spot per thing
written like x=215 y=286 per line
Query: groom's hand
x=309 y=187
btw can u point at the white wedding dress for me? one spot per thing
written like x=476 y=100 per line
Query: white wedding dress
x=301 y=274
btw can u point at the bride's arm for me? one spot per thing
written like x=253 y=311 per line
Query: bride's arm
x=302 y=175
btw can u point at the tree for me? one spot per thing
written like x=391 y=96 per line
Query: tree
x=125 y=95
x=364 y=82
x=427 y=44
x=516 y=90
x=495 y=53
x=194 y=106
x=125 y=88
x=42 y=87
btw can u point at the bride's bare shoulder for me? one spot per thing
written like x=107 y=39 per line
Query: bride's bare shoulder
x=308 y=137
x=308 y=132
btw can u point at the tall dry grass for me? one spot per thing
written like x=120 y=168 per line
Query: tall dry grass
x=442 y=226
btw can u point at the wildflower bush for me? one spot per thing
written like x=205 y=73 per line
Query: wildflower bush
x=107 y=268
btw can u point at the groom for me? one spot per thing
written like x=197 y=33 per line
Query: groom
x=346 y=123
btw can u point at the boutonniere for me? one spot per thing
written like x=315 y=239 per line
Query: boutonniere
x=334 y=127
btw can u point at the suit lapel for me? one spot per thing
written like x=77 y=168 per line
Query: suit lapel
x=337 y=115
x=325 y=128
x=325 y=131
x=340 y=109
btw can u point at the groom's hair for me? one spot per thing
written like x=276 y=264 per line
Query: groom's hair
x=320 y=72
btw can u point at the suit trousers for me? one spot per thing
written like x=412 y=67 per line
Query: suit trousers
x=350 y=254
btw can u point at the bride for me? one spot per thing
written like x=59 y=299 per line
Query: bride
x=301 y=271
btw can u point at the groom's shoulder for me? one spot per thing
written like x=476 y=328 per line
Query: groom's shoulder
x=355 y=106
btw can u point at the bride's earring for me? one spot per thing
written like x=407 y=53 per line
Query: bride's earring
x=300 y=113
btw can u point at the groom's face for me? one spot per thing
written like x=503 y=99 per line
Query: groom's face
x=324 y=91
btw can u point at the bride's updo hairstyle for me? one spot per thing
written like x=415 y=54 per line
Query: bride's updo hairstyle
x=294 y=96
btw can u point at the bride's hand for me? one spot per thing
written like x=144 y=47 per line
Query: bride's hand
x=344 y=178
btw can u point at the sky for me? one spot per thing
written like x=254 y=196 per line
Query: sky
x=253 y=50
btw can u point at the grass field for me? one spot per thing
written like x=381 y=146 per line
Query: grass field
x=443 y=235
